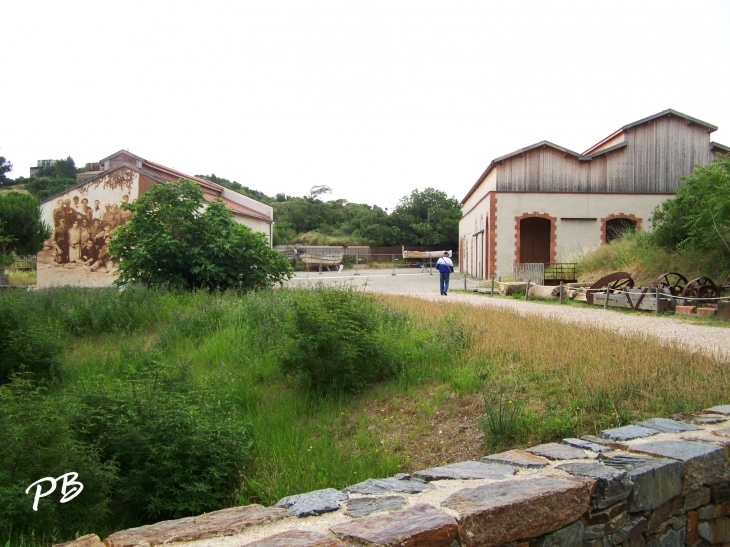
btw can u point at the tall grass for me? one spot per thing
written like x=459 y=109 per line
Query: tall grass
x=637 y=254
x=229 y=348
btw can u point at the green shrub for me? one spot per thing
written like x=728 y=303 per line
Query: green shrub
x=27 y=342
x=179 y=453
x=38 y=442
x=341 y=340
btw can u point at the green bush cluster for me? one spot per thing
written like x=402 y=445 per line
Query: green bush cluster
x=179 y=453
x=341 y=340
x=38 y=441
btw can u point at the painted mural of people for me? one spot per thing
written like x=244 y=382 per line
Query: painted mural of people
x=84 y=231
x=106 y=217
x=98 y=211
x=86 y=210
x=74 y=242
x=60 y=243
x=58 y=213
x=88 y=254
x=124 y=214
x=69 y=214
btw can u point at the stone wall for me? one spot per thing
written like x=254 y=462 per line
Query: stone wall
x=659 y=483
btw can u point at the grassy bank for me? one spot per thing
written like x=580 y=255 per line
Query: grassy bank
x=452 y=383
x=638 y=254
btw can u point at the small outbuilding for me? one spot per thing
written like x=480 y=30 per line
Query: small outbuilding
x=543 y=203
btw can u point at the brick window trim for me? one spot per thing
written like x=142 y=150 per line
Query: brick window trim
x=604 y=220
x=553 y=233
x=492 y=243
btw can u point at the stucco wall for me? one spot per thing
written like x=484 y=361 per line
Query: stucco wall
x=571 y=235
x=59 y=263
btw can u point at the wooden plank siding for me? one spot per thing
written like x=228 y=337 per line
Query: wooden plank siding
x=543 y=169
x=657 y=155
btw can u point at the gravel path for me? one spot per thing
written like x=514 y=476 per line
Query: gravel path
x=667 y=330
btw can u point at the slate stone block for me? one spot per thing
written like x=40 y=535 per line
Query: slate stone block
x=568 y=536
x=362 y=507
x=670 y=538
x=89 y=540
x=665 y=425
x=586 y=445
x=659 y=516
x=611 y=485
x=384 y=486
x=628 y=433
x=218 y=523
x=414 y=526
x=704 y=464
x=466 y=470
x=556 y=451
x=693 y=500
x=297 y=538
x=715 y=531
x=519 y=458
x=510 y=510
x=656 y=480
x=721 y=409
x=631 y=531
x=720 y=493
x=607 y=514
x=616 y=445
x=313 y=503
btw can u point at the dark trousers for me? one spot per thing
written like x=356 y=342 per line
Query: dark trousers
x=444 y=282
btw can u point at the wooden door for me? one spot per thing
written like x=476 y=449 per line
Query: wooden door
x=535 y=240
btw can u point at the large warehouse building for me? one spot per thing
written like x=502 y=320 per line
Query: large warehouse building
x=542 y=203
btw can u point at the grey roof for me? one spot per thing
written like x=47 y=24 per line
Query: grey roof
x=674 y=113
x=538 y=145
x=135 y=156
x=719 y=146
x=609 y=149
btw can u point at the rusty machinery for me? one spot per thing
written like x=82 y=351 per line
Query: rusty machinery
x=698 y=290
x=611 y=283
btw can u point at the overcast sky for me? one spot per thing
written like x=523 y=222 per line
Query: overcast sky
x=373 y=99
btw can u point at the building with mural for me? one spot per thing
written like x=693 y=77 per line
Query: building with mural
x=542 y=203
x=83 y=217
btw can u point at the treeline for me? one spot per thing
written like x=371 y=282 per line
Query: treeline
x=49 y=180
x=427 y=217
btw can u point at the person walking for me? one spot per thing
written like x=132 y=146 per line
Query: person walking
x=445 y=267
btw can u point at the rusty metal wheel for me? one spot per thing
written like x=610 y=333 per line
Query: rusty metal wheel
x=673 y=281
x=701 y=287
x=614 y=282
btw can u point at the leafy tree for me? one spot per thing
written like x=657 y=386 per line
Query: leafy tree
x=61 y=168
x=428 y=218
x=699 y=215
x=5 y=167
x=176 y=238
x=43 y=188
x=22 y=231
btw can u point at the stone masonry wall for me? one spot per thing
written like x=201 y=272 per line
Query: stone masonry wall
x=659 y=483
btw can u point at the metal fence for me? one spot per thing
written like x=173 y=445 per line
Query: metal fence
x=24 y=263
x=533 y=272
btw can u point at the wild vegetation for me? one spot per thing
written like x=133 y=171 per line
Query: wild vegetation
x=228 y=398
x=691 y=234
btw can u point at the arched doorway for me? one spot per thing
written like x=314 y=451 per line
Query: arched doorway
x=616 y=227
x=535 y=240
